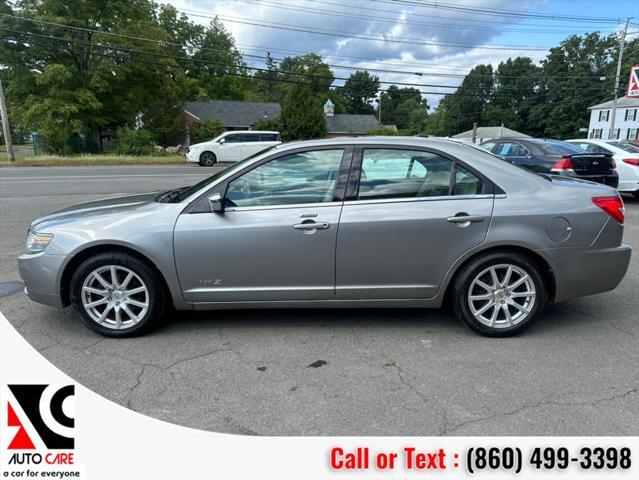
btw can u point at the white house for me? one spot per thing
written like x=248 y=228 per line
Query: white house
x=626 y=123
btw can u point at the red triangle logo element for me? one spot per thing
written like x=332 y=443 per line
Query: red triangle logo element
x=21 y=441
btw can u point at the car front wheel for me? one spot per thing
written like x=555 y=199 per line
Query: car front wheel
x=207 y=159
x=499 y=294
x=117 y=295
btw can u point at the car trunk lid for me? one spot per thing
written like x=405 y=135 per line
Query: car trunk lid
x=592 y=164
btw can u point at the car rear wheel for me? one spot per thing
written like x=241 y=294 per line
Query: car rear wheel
x=499 y=294
x=207 y=159
x=117 y=295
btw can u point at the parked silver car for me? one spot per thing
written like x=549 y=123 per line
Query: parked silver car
x=352 y=222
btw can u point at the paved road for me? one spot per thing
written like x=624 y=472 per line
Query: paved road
x=335 y=372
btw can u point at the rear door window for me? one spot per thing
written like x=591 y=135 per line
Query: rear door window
x=507 y=149
x=268 y=137
x=466 y=182
x=489 y=146
x=389 y=173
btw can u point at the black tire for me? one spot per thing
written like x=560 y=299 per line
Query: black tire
x=636 y=194
x=207 y=159
x=469 y=272
x=157 y=297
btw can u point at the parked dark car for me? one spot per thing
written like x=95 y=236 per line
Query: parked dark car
x=556 y=157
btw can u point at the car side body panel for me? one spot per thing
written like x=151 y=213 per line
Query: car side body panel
x=555 y=219
x=391 y=249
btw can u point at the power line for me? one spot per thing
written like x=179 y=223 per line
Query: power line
x=235 y=66
x=235 y=74
x=358 y=36
x=430 y=16
x=501 y=13
x=395 y=21
x=169 y=43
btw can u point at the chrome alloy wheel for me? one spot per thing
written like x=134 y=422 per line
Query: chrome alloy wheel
x=115 y=297
x=501 y=296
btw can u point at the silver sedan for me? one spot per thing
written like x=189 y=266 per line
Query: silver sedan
x=352 y=222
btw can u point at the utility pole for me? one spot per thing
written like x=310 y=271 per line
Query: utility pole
x=622 y=43
x=5 y=126
x=379 y=110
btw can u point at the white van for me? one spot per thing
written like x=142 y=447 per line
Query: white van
x=231 y=146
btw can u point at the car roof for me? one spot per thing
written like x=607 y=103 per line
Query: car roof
x=503 y=174
x=251 y=131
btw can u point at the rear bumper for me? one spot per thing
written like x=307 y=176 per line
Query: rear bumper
x=610 y=180
x=40 y=274
x=585 y=271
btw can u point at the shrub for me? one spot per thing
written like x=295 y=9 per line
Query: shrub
x=133 y=142
x=272 y=124
x=204 y=130
x=384 y=131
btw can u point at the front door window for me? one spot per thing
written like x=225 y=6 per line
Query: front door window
x=298 y=178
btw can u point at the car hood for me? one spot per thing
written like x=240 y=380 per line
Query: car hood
x=119 y=205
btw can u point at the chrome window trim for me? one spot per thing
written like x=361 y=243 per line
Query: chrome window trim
x=273 y=152
x=283 y=207
x=419 y=199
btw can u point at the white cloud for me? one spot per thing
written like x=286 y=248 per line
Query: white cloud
x=402 y=56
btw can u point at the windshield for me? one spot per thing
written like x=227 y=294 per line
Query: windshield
x=628 y=147
x=182 y=194
x=557 y=147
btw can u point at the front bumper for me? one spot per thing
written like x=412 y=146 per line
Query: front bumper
x=193 y=156
x=41 y=274
x=585 y=271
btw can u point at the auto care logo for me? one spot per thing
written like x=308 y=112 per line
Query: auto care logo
x=43 y=416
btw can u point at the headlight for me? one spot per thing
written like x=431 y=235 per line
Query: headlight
x=38 y=242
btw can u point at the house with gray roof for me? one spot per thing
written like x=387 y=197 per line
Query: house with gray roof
x=234 y=115
x=342 y=124
x=238 y=115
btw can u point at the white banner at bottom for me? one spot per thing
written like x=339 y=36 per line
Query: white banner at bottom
x=52 y=427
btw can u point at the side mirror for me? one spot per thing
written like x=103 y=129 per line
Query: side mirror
x=222 y=140
x=216 y=202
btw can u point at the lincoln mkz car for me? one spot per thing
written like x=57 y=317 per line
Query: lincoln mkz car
x=352 y=222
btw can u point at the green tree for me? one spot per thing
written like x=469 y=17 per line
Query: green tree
x=273 y=124
x=302 y=115
x=308 y=69
x=467 y=105
x=267 y=84
x=205 y=130
x=405 y=108
x=571 y=82
x=60 y=110
x=360 y=89
x=515 y=94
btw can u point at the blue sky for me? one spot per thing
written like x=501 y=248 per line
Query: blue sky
x=476 y=38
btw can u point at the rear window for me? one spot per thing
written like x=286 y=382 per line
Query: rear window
x=628 y=147
x=557 y=147
x=269 y=137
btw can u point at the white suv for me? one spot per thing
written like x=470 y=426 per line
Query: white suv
x=231 y=146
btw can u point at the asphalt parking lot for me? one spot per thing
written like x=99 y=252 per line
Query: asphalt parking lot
x=333 y=372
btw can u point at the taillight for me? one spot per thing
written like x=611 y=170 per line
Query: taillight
x=563 y=165
x=613 y=206
x=631 y=161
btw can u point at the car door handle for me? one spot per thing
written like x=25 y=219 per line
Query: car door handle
x=311 y=226
x=463 y=218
